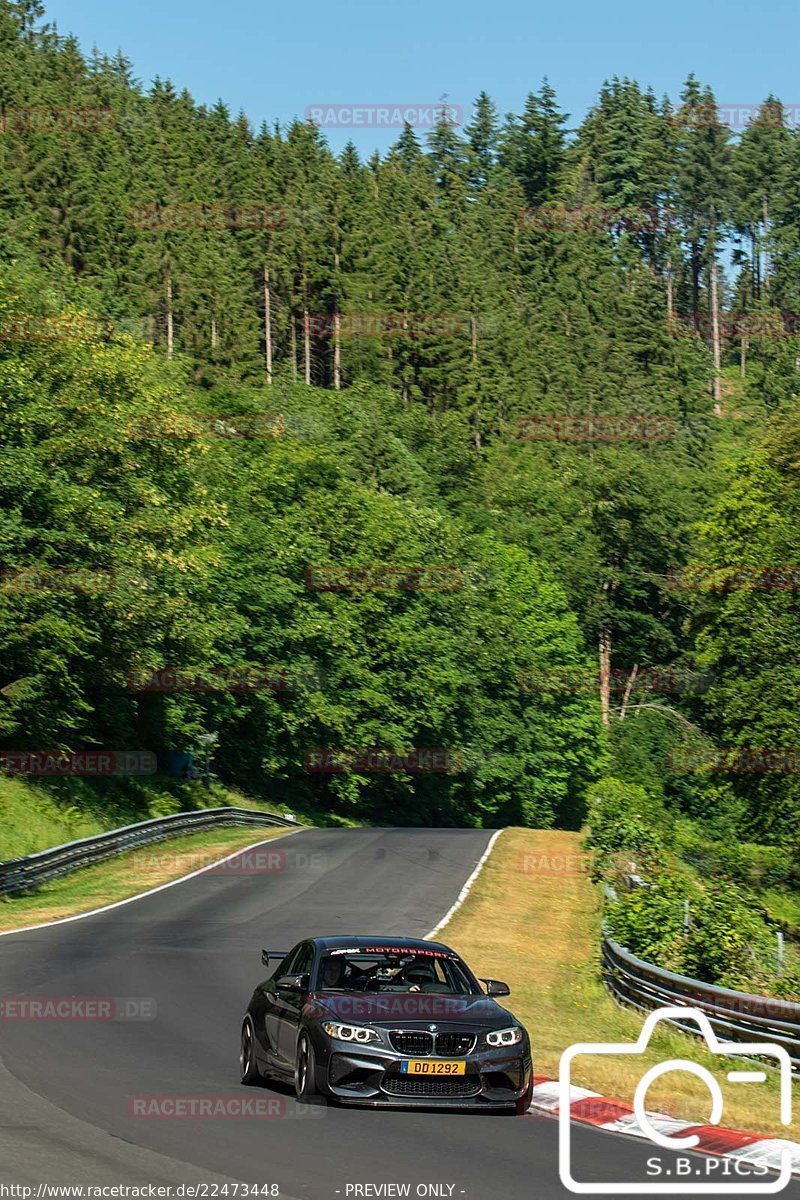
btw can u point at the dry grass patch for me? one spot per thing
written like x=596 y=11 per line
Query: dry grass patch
x=533 y=919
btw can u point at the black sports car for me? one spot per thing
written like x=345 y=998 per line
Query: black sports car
x=385 y=1020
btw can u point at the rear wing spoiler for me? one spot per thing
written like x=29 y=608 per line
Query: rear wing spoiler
x=266 y=955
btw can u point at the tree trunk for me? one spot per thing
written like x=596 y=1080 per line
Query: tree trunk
x=337 y=331
x=695 y=257
x=628 y=690
x=765 y=211
x=294 y=346
x=214 y=338
x=474 y=344
x=170 y=330
x=755 y=256
x=605 y=675
x=306 y=346
x=670 y=300
x=337 y=352
x=267 y=326
x=715 y=337
x=743 y=357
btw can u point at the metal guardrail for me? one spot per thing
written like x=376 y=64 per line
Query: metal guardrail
x=734 y=1016
x=21 y=874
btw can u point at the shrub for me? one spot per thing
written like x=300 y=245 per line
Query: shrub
x=649 y=921
x=748 y=863
x=623 y=817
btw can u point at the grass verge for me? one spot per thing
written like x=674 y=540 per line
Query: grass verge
x=38 y=814
x=533 y=918
x=120 y=878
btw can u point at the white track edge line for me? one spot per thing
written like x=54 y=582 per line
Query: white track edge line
x=151 y=891
x=462 y=895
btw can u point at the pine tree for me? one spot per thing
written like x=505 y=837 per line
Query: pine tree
x=533 y=146
x=483 y=135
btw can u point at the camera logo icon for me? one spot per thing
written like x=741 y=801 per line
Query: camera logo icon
x=748 y=1073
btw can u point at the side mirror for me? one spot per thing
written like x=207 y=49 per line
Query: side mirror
x=496 y=987
x=292 y=983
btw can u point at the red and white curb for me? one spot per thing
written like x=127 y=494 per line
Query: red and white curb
x=590 y=1108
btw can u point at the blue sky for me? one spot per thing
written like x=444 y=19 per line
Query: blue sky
x=273 y=59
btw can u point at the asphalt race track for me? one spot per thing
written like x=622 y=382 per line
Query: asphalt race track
x=189 y=957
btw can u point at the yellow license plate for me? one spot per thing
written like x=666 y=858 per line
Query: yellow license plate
x=432 y=1066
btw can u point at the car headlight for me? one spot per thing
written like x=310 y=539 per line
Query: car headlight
x=350 y=1033
x=505 y=1037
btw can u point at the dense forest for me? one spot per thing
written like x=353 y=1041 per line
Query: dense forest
x=537 y=381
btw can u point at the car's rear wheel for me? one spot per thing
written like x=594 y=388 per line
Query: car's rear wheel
x=248 y=1064
x=305 y=1072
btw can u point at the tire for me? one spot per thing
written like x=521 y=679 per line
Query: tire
x=524 y=1102
x=248 y=1065
x=305 y=1077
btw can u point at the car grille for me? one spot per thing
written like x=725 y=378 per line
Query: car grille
x=422 y=1044
x=414 y=1085
x=411 y=1042
x=454 y=1043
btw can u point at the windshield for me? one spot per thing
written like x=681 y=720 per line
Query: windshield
x=393 y=972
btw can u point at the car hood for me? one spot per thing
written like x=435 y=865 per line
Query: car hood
x=407 y=1009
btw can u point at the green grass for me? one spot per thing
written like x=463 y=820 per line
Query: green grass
x=31 y=819
x=783 y=907
x=36 y=816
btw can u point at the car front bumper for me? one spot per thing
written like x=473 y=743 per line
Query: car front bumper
x=493 y=1078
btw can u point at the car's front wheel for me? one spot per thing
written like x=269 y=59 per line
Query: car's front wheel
x=248 y=1064
x=524 y=1102
x=305 y=1072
